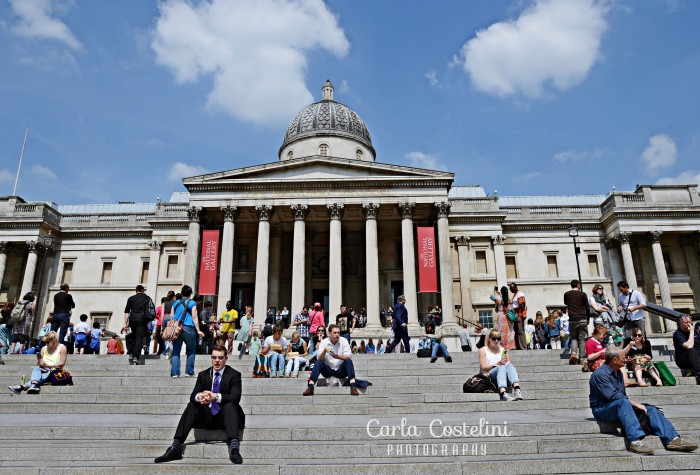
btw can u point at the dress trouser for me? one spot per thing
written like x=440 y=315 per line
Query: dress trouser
x=691 y=360
x=199 y=416
x=400 y=334
x=520 y=340
x=138 y=331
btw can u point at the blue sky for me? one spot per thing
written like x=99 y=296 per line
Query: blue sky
x=536 y=97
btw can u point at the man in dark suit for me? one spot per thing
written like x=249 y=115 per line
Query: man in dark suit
x=214 y=404
x=400 y=326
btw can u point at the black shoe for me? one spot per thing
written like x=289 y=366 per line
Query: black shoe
x=235 y=456
x=171 y=454
x=697 y=380
x=433 y=360
x=448 y=359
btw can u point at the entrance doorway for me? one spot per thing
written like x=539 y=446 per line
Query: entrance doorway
x=242 y=295
x=396 y=290
x=321 y=296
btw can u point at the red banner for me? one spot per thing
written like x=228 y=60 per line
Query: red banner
x=209 y=262
x=427 y=261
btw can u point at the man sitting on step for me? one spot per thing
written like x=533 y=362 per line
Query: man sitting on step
x=333 y=359
x=610 y=404
x=686 y=341
x=214 y=404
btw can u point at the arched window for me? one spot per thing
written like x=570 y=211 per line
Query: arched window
x=323 y=150
x=290 y=155
x=359 y=154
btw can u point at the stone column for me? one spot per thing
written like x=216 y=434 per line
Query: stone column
x=231 y=214
x=449 y=322
x=371 y=211
x=465 y=276
x=335 y=261
x=664 y=287
x=192 y=252
x=273 y=293
x=630 y=276
x=612 y=244
x=262 y=263
x=690 y=247
x=3 y=259
x=409 y=266
x=499 y=253
x=29 y=269
x=300 y=213
x=153 y=268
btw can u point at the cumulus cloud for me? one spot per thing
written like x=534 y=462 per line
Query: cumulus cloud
x=424 y=160
x=553 y=43
x=41 y=171
x=431 y=76
x=256 y=51
x=6 y=176
x=660 y=153
x=530 y=176
x=688 y=177
x=576 y=156
x=344 y=86
x=181 y=170
x=37 y=21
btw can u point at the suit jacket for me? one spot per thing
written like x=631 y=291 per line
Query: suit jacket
x=400 y=316
x=229 y=388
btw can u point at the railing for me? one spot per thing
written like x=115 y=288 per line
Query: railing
x=25 y=208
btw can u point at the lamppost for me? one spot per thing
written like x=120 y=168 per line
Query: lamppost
x=573 y=232
x=46 y=242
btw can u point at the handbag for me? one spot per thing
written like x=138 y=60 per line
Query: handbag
x=479 y=383
x=512 y=316
x=60 y=377
x=667 y=378
x=172 y=330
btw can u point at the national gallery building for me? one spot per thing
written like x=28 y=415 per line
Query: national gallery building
x=328 y=223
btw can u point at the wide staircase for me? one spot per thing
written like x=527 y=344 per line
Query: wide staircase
x=117 y=418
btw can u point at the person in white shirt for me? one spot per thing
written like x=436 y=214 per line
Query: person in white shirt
x=81 y=331
x=631 y=304
x=464 y=339
x=275 y=347
x=564 y=323
x=333 y=359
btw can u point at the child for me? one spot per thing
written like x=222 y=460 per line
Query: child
x=95 y=336
x=254 y=344
x=81 y=331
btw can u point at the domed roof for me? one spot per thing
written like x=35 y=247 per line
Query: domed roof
x=327 y=117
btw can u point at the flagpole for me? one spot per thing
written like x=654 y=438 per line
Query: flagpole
x=21 y=155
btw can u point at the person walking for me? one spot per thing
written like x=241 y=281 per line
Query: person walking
x=185 y=311
x=400 y=325
x=579 y=312
x=63 y=305
x=136 y=318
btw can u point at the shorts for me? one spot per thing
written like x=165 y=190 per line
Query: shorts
x=19 y=338
x=80 y=340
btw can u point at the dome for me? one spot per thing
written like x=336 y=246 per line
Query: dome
x=327 y=118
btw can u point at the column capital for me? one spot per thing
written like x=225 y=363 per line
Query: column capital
x=336 y=210
x=230 y=213
x=498 y=239
x=32 y=246
x=655 y=236
x=300 y=212
x=193 y=213
x=407 y=210
x=624 y=237
x=463 y=241
x=264 y=212
x=443 y=209
x=155 y=245
x=370 y=210
x=3 y=247
x=612 y=242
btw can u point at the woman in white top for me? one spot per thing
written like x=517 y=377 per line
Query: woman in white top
x=53 y=356
x=495 y=362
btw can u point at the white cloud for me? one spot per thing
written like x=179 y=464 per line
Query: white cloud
x=344 y=87
x=574 y=156
x=36 y=21
x=554 y=43
x=424 y=160
x=530 y=176
x=181 y=170
x=154 y=142
x=660 y=153
x=432 y=77
x=43 y=172
x=688 y=177
x=6 y=176
x=256 y=51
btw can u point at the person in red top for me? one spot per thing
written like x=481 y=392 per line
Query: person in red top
x=595 y=351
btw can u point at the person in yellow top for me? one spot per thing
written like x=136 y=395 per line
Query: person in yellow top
x=228 y=324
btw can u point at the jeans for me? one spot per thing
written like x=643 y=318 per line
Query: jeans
x=294 y=364
x=188 y=336
x=577 y=335
x=346 y=336
x=346 y=370
x=442 y=347
x=40 y=375
x=60 y=320
x=621 y=411
x=504 y=374
x=276 y=362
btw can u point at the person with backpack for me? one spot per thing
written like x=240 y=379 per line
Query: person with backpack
x=139 y=311
x=21 y=318
x=185 y=312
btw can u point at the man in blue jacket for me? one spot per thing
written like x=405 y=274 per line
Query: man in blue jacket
x=400 y=325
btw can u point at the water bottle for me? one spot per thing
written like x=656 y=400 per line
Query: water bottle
x=24 y=380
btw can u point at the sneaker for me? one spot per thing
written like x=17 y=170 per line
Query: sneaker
x=448 y=359
x=136 y=362
x=273 y=374
x=286 y=375
x=17 y=389
x=638 y=447
x=505 y=397
x=295 y=375
x=131 y=360
x=680 y=445
x=175 y=376
x=187 y=375
x=33 y=389
x=517 y=394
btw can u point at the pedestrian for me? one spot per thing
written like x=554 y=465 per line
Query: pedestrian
x=400 y=325
x=631 y=305
x=136 y=318
x=63 y=305
x=185 y=311
x=579 y=312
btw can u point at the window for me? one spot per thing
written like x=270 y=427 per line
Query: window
x=244 y=257
x=552 y=270
x=667 y=262
x=511 y=268
x=359 y=154
x=290 y=155
x=67 y=274
x=481 y=267
x=145 y=268
x=102 y=318
x=486 y=318
x=323 y=150
x=107 y=272
x=172 y=271
x=593 y=269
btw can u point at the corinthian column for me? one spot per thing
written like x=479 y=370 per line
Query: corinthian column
x=500 y=255
x=464 y=275
x=371 y=211
x=409 y=265
x=449 y=322
x=29 y=269
x=628 y=263
x=230 y=213
x=300 y=213
x=192 y=251
x=664 y=287
x=335 y=260
x=262 y=263
x=3 y=259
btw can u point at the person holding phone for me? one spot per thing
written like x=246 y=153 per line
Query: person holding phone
x=333 y=359
x=495 y=363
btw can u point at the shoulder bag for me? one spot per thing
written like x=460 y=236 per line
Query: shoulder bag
x=174 y=327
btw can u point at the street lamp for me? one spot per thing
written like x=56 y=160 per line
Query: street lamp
x=573 y=232
x=46 y=242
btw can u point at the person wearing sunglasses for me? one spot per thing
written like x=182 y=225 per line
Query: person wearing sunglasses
x=495 y=363
x=639 y=357
x=214 y=404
